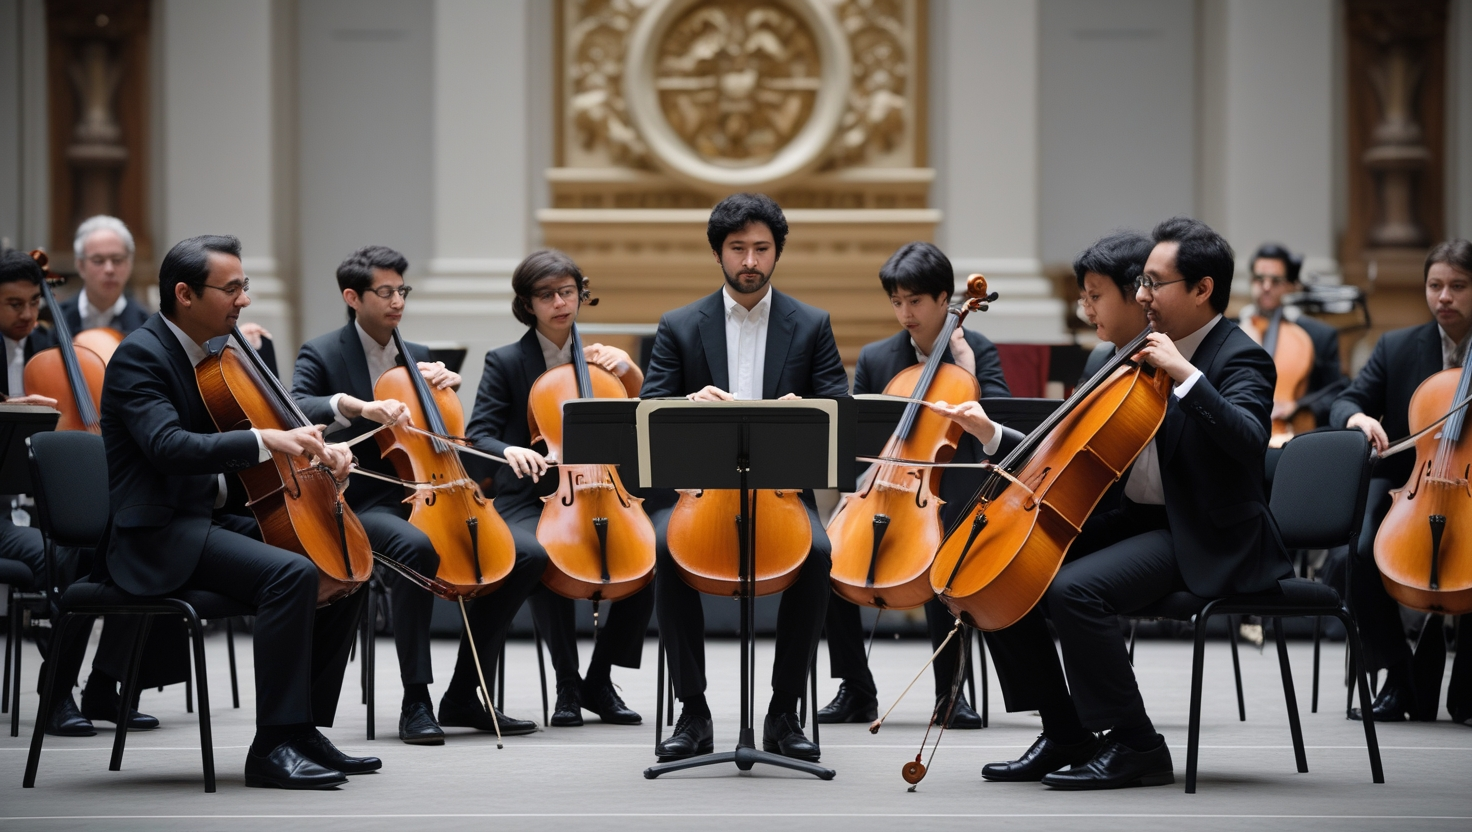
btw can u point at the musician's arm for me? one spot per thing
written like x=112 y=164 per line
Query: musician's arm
x=309 y=386
x=155 y=425
x=492 y=411
x=1367 y=393
x=666 y=376
x=1237 y=410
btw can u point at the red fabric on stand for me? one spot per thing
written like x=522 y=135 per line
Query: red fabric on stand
x=1026 y=368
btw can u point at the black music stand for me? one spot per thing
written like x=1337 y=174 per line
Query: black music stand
x=747 y=445
x=18 y=422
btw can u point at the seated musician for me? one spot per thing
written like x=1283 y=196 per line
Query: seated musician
x=1107 y=272
x=549 y=288
x=744 y=341
x=167 y=464
x=333 y=383
x=1275 y=273
x=919 y=282
x=1194 y=517
x=1378 y=403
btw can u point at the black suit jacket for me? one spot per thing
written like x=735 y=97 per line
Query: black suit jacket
x=1098 y=357
x=132 y=316
x=163 y=455
x=1401 y=360
x=40 y=338
x=1211 y=450
x=690 y=352
x=881 y=361
x=499 y=418
x=334 y=363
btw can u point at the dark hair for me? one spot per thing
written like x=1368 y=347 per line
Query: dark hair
x=356 y=272
x=16 y=265
x=1119 y=256
x=188 y=262
x=1455 y=253
x=1292 y=263
x=920 y=268
x=539 y=266
x=737 y=211
x=1200 y=253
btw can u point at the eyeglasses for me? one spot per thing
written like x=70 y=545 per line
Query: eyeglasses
x=387 y=292
x=1270 y=279
x=567 y=293
x=1150 y=286
x=233 y=288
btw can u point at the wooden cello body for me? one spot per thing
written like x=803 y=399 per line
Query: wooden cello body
x=599 y=541
x=999 y=558
x=296 y=502
x=1424 y=545
x=102 y=340
x=885 y=535
x=475 y=548
x=1293 y=356
x=70 y=373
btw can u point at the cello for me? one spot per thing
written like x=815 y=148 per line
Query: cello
x=999 y=557
x=474 y=544
x=296 y=502
x=1293 y=354
x=885 y=535
x=1424 y=545
x=599 y=541
x=68 y=372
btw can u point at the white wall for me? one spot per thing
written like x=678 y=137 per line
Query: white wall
x=24 y=184
x=1459 y=121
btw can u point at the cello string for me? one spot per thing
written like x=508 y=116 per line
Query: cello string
x=1410 y=441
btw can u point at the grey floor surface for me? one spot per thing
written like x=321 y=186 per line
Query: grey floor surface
x=592 y=776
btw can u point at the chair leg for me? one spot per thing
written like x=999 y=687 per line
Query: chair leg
x=370 y=670
x=542 y=672
x=9 y=644
x=659 y=695
x=60 y=629
x=500 y=682
x=970 y=670
x=130 y=687
x=813 y=690
x=1357 y=667
x=1290 y=697
x=1318 y=636
x=1193 y=729
x=1236 y=667
x=1134 y=623
x=361 y=643
x=230 y=646
x=188 y=685
x=985 y=681
x=206 y=738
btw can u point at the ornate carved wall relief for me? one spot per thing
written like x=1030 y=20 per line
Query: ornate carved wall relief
x=667 y=106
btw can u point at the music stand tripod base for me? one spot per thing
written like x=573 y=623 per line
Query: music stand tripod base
x=745 y=756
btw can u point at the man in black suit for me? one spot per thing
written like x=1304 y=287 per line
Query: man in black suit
x=549 y=289
x=1194 y=517
x=333 y=383
x=919 y=281
x=167 y=463
x=745 y=341
x=1275 y=273
x=1378 y=403
x=103 y=247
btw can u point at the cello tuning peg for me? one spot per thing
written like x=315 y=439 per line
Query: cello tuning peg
x=913 y=772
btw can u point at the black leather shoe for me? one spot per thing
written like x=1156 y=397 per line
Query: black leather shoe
x=1116 y=767
x=100 y=704
x=781 y=734
x=964 y=717
x=1394 y=704
x=1044 y=757
x=417 y=725
x=471 y=715
x=320 y=750
x=286 y=767
x=849 y=705
x=67 y=721
x=569 y=710
x=693 y=735
x=603 y=700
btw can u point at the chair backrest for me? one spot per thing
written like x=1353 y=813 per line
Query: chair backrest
x=1319 y=488
x=69 y=474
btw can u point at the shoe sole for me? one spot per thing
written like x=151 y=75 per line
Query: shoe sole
x=670 y=758
x=567 y=723
x=619 y=720
x=865 y=718
x=439 y=740
x=773 y=748
x=505 y=732
x=1157 y=779
x=264 y=783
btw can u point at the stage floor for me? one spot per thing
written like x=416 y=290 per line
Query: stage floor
x=593 y=775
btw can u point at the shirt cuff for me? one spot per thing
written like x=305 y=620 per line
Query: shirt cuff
x=262 y=455
x=1185 y=387
x=337 y=414
x=990 y=446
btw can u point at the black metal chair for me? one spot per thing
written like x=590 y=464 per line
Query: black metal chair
x=18 y=577
x=1318 y=500
x=69 y=472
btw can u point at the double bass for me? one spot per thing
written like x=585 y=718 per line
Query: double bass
x=999 y=557
x=1293 y=355
x=885 y=535
x=599 y=541
x=296 y=501
x=68 y=372
x=1424 y=545
x=475 y=548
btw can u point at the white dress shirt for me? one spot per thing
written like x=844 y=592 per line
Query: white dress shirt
x=1452 y=353
x=746 y=344
x=1144 y=485
x=93 y=317
x=554 y=355
x=197 y=354
x=15 y=365
x=380 y=360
